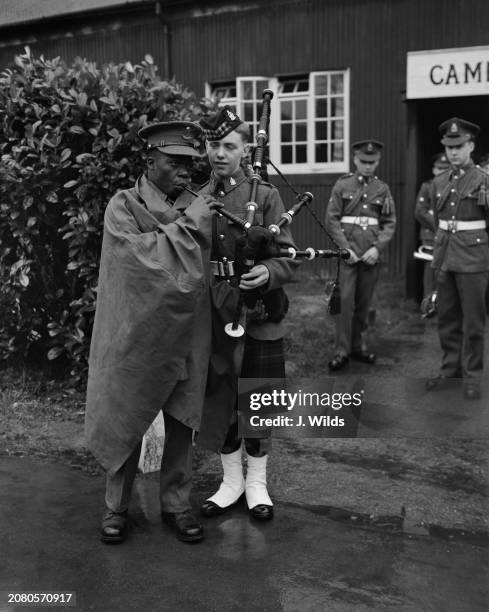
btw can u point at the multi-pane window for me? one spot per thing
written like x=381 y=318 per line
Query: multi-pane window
x=309 y=126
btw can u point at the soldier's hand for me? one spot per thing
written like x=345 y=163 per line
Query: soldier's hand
x=371 y=256
x=353 y=259
x=211 y=202
x=256 y=277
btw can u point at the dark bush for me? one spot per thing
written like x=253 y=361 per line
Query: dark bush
x=68 y=142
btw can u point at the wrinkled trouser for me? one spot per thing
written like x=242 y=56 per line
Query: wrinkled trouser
x=461 y=322
x=357 y=284
x=175 y=472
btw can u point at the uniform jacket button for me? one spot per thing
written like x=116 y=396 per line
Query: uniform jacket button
x=221 y=237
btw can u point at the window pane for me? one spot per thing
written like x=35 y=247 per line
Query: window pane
x=321 y=108
x=303 y=86
x=286 y=132
x=260 y=86
x=301 y=109
x=247 y=90
x=301 y=154
x=286 y=110
x=288 y=87
x=321 y=130
x=337 y=84
x=321 y=153
x=286 y=154
x=337 y=150
x=248 y=112
x=301 y=132
x=336 y=130
x=321 y=85
x=337 y=107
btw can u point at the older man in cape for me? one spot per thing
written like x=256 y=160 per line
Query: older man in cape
x=151 y=337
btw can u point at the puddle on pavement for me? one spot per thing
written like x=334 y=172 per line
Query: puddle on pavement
x=396 y=524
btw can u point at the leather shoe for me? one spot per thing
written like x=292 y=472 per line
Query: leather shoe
x=262 y=512
x=210 y=508
x=185 y=525
x=338 y=362
x=114 y=527
x=472 y=391
x=364 y=357
x=438 y=383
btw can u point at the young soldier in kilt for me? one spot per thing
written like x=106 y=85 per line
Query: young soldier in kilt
x=261 y=354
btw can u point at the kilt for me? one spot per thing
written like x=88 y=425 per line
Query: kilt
x=263 y=359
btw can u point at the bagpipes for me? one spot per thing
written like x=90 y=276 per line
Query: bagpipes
x=259 y=243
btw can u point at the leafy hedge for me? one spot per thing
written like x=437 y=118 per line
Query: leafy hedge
x=68 y=142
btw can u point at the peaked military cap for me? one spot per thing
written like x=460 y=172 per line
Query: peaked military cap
x=370 y=149
x=457 y=131
x=173 y=137
x=220 y=124
x=440 y=160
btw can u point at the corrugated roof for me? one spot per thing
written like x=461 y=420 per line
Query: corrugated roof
x=17 y=12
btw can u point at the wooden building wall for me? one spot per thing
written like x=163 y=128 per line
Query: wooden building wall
x=210 y=41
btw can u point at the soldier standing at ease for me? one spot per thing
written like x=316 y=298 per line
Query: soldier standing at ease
x=424 y=215
x=361 y=218
x=460 y=200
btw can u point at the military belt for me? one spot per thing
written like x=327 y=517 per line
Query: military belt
x=360 y=220
x=452 y=225
x=223 y=268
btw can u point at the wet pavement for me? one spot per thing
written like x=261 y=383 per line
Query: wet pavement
x=310 y=557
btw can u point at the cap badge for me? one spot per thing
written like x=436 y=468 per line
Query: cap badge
x=230 y=115
x=453 y=127
x=370 y=147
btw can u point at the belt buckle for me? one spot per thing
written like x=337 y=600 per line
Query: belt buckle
x=452 y=226
x=363 y=222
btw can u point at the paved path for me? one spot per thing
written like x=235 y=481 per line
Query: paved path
x=303 y=560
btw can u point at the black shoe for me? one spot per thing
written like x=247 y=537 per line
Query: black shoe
x=441 y=382
x=185 y=525
x=364 y=357
x=338 y=362
x=210 y=508
x=262 y=512
x=114 y=527
x=472 y=391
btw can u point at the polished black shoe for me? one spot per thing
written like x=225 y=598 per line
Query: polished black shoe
x=472 y=391
x=338 y=362
x=364 y=357
x=114 y=527
x=438 y=383
x=185 y=525
x=262 y=512
x=210 y=508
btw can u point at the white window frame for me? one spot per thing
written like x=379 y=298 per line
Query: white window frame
x=309 y=167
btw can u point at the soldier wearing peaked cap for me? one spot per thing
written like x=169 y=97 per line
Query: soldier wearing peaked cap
x=151 y=337
x=261 y=355
x=460 y=201
x=361 y=218
x=424 y=215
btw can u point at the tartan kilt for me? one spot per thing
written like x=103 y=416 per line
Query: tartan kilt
x=263 y=359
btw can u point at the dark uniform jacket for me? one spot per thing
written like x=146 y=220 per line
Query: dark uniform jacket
x=353 y=196
x=461 y=195
x=234 y=194
x=424 y=214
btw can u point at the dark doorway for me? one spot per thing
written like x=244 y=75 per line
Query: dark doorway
x=424 y=117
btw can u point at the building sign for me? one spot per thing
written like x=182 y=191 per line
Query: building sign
x=447 y=73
